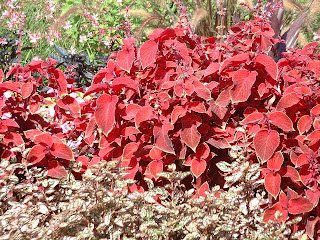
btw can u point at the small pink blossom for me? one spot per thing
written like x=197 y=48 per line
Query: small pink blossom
x=67 y=25
x=83 y=38
x=3 y=41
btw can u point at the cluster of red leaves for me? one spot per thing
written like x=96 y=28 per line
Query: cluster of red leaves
x=179 y=99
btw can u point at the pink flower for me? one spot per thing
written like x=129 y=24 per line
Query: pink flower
x=83 y=38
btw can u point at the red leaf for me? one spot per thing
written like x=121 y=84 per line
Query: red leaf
x=287 y=101
x=155 y=167
x=304 y=124
x=203 y=151
x=223 y=99
x=155 y=153
x=56 y=170
x=60 y=79
x=197 y=106
x=36 y=154
x=315 y=135
x=219 y=143
x=32 y=133
x=44 y=139
x=201 y=191
x=125 y=82
x=243 y=81
x=162 y=139
x=62 y=150
x=314 y=66
x=213 y=68
x=70 y=104
x=220 y=112
x=316 y=110
x=269 y=64
x=189 y=134
x=91 y=126
x=9 y=85
x=144 y=114
x=265 y=143
x=281 y=120
x=272 y=184
x=1 y=76
x=201 y=90
x=269 y=214
x=131 y=111
x=275 y=163
x=177 y=113
x=299 y=205
x=9 y=123
x=97 y=88
x=125 y=59
x=129 y=150
x=234 y=61
x=26 y=89
x=290 y=172
x=198 y=167
x=252 y=118
x=148 y=52
x=105 y=112
x=312 y=221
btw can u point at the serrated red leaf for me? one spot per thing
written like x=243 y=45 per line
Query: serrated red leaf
x=269 y=64
x=213 y=68
x=235 y=60
x=14 y=138
x=56 y=170
x=269 y=214
x=144 y=114
x=60 y=79
x=220 y=112
x=129 y=150
x=223 y=99
x=272 y=183
x=197 y=106
x=265 y=144
x=252 y=118
x=243 y=81
x=189 y=133
x=91 y=126
x=155 y=153
x=26 y=90
x=202 y=151
x=177 y=113
x=147 y=53
x=290 y=172
x=299 y=205
x=287 y=101
x=198 y=166
x=36 y=154
x=105 y=112
x=9 y=123
x=162 y=140
x=275 y=162
x=97 y=88
x=201 y=90
x=304 y=124
x=70 y=104
x=9 y=85
x=314 y=66
x=312 y=221
x=219 y=143
x=125 y=59
x=131 y=111
x=155 y=167
x=125 y=82
x=62 y=150
x=44 y=139
x=315 y=135
x=281 y=120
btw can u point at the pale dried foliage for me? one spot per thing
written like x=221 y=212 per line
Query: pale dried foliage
x=88 y=209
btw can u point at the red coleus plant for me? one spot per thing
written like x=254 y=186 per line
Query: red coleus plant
x=178 y=98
